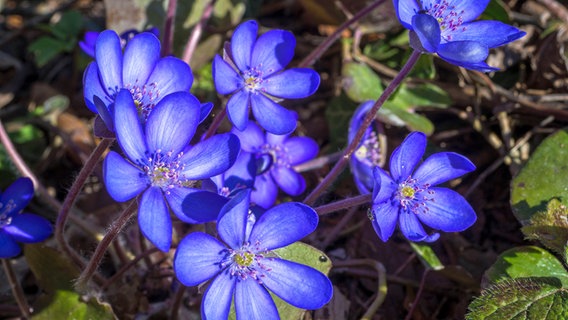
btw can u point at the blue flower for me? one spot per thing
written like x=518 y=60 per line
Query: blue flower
x=139 y=69
x=90 y=39
x=253 y=73
x=367 y=156
x=274 y=157
x=409 y=196
x=446 y=27
x=19 y=227
x=244 y=268
x=163 y=167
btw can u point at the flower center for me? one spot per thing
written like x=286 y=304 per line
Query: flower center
x=413 y=196
x=5 y=213
x=246 y=262
x=253 y=79
x=369 y=151
x=271 y=155
x=144 y=96
x=449 y=19
x=244 y=259
x=165 y=170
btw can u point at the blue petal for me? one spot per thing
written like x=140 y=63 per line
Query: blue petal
x=264 y=192
x=283 y=225
x=211 y=157
x=405 y=10
x=194 y=205
x=20 y=193
x=232 y=219
x=123 y=181
x=241 y=174
x=205 y=110
x=104 y=113
x=449 y=211
x=289 y=180
x=463 y=52
x=92 y=86
x=252 y=138
x=154 y=219
x=293 y=83
x=173 y=122
x=385 y=217
x=384 y=187
x=171 y=75
x=300 y=149
x=362 y=175
x=273 y=51
x=141 y=54
x=406 y=156
x=242 y=43
x=428 y=30
x=238 y=109
x=299 y=285
x=413 y=230
x=358 y=117
x=88 y=43
x=217 y=298
x=442 y=167
x=468 y=10
x=29 y=228
x=128 y=128
x=226 y=79
x=253 y=302
x=276 y=139
x=8 y=246
x=478 y=66
x=108 y=54
x=197 y=258
x=491 y=33
x=271 y=116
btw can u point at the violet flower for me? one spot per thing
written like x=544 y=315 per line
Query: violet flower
x=409 y=197
x=446 y=27
x=161 y=165
x=90 y=39
x=252 y=73
x=19 y=227
x=244 y=268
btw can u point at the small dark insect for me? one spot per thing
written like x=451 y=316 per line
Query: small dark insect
x=322 y=258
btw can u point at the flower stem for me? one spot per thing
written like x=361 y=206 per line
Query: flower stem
x=16 y=289
x=85 y=172
x=215 y=125
x=169 y=28
x=197 y=31
x=340 y=165
x=343 y=204
x=312 y=57
x=115 y=229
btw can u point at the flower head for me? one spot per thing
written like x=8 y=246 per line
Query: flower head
x=19 y=227
x=90 y=39
x=368 y=154
x=244 y=268
x=274 y=157
x=411 y=198
x=446 y=27
x=139 y=69
x=161 y=165
x=253 y=73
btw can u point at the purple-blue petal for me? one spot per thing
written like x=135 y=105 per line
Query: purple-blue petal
x=197 y=258
x=491 y=33
x=194 y=205
x=108 y=54
x=129 y=132
x=412 y=229
x=406 y=156
x=217 y=298
x=283 y=225
x=211 y=157
x=171 y=75
x=384 y=187
x=449 y=211
x=205 y=110
x=19 y=193
x=88 y=43
x=297 y=284
x=264 y=192
x=292 y=83
x=300 y=149
x=173 y=122
x=273 y=51
x=242 y=44
x=154 y=219
x=92 y=86
x=405 y=10
x=273 y=117
x=29 y=228
x=232 y=219
x=226 y=79
x=123 y=181
x=428 y=31
x=104 y=113
x=8 y=246
x=468 y=10
x=288 y=180
x=252 y=138
x=141 y=54
x=253 y=302
x=463 y=52
x=385 y=217
x=238 y=109
x=441 y=167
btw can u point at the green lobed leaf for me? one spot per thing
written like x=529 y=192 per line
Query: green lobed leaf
x=46 y=48
x=542 y=179
x=360 y=82
x=414 y=121
x=550 y=227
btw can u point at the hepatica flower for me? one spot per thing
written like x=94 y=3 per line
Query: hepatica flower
x=244 y=268
x=90 y=39
x=409 y=196
x=19 y=227
x=139 y=69
x=446 y=27
x=275 y=157
x=161 y=165
x=253 y=74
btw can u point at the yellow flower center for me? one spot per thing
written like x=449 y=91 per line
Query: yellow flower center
x=407 y=192
x=244 y=259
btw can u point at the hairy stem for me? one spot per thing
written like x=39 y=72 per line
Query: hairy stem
x=343 y=204
x=169 y=28
x=16 y=289
x=197 y=31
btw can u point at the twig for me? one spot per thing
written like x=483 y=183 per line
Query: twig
x=343 y=204
x=197 y=31
x=169 y=26
x=418 y=294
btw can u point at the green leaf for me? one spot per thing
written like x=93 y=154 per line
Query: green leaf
x=69 y=26
x=550 y=227
x=423 y=95
x=55 y=276
x=527 y=261
x=542 y=179
x=496 y=10
x=525 y=298
x=414 y=121
x=427 y=256
x=46 y=48
x=360 y=82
